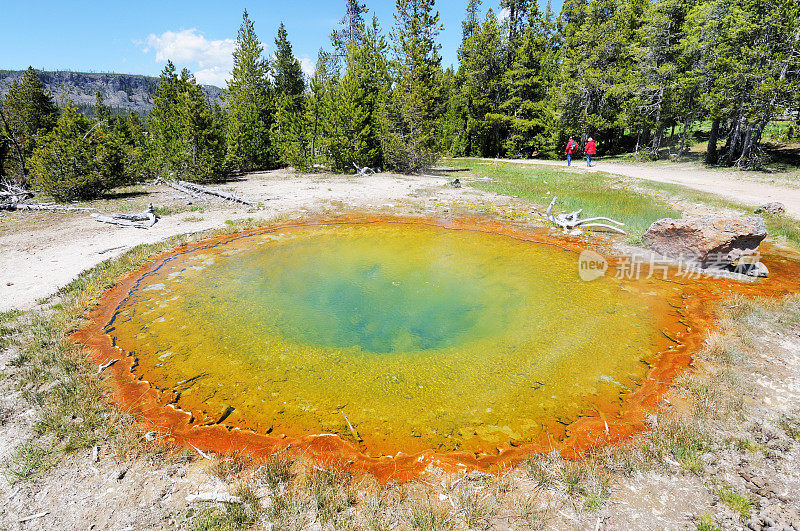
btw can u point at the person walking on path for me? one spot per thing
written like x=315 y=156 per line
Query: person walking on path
x=572 y=147
x=590 y=149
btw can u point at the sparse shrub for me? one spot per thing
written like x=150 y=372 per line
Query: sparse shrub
x=287 y=511
x=790 y=425
x=680 y=439
x=706 y=523
x=528 y=514
x=537 y=469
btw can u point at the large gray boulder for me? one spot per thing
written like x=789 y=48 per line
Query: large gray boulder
x=711 y=240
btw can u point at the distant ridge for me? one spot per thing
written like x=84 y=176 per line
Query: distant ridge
x=121 y=92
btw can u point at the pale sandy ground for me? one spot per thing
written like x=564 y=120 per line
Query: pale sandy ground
x=736 y=186
x=39 y=253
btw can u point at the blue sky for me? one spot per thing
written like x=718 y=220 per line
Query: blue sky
x=139 y=37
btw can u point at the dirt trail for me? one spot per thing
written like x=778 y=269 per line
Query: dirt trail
x=730 y=185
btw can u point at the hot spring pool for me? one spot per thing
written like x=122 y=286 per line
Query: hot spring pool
x=425 y=337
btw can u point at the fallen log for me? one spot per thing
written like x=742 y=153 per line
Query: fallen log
x=143 y=220
x=213 y=497
x=365 y=171
x=46 y=206
x=215 y=192
x=33 y=517
x=572 y=220
x=148 y=215
x=183 y=189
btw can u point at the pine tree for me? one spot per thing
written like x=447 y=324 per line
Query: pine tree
x=185 y=140
x=745 y=56
x=596 y=67
x=517 y=15
x=471 y=21
x=250 y=106
x=358 y=101
x=352 y=28
x=483 y=88
x=529 y=106
x=288 y=73
x=101 y=111
x=74 y=160
x=27 y=112
x=290 y=95
x=416 y=105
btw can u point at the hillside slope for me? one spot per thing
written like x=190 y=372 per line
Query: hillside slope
x=123 y=92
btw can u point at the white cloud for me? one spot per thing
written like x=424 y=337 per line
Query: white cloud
x=211 y=61
x=307 y=65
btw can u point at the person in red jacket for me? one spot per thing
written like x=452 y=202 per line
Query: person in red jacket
x=572 y=147
x=590 y=149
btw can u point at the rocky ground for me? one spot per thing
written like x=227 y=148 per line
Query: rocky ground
x=742 y=402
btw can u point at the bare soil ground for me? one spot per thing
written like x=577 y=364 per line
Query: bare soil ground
x=754 y=456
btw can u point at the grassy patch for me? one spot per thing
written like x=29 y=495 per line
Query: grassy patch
x=707 y=523
x=28 y=460
x=276 y=471
x=678 y=440
x=596 y=193
x=230 y=466
x=429 y=517
x=585 y=480
x=242 y=515
x=739 y=504
x=330 y=493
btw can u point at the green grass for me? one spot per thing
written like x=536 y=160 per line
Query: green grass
x=330 y=493
x=741 y=505
x=243 y=515
x=429 y=517
x=28 y=461
x=597 y=194
x=707 y=523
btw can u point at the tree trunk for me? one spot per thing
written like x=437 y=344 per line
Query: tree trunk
x=18 y=149
x=684 y=131
x=711 y=151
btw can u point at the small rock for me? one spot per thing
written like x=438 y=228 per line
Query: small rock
x=456 y=183
x=150 y=436
x=771 y=208
x=120 y=474
x=757 y=270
